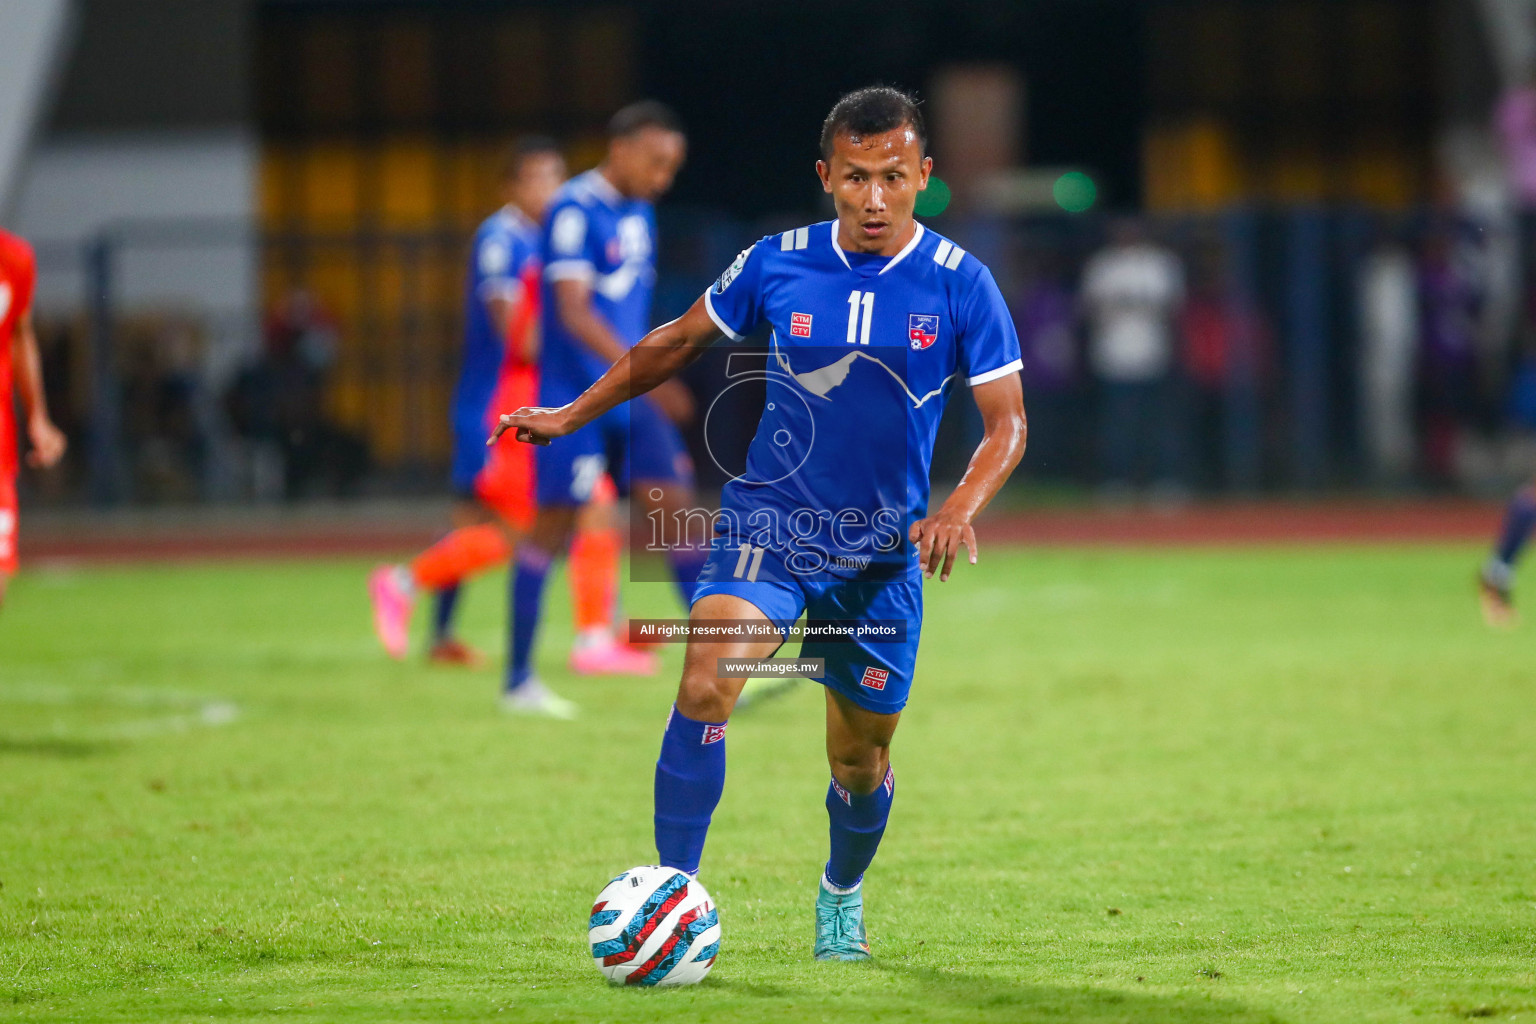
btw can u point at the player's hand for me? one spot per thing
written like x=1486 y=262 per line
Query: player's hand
x=48 y=443
x=533 y=425
x=939 y=539
x=674 y=400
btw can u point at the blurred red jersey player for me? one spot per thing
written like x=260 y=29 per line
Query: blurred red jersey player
x=21 y=368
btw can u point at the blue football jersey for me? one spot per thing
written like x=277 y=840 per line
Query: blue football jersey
x=504 y=247
x=593 y=233
x=862 y=352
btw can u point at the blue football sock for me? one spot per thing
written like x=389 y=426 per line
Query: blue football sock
x=1518 y=521
x=687 y=563
x=527 y=599
x=690 y=776
x=442 y=613
x=857 y=823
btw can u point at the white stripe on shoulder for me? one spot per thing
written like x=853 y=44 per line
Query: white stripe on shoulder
x=991 y=375
x=942 y=252
x=795 y=238
x=953 y=263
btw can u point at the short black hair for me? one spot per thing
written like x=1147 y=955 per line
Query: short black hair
x=525 y=149
x=644 y=114
x=873 y=110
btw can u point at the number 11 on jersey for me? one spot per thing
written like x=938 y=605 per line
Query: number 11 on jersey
x=750 y=561
x=856 y=331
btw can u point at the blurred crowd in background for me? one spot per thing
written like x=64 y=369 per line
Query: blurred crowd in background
x=1167 y=357
x=1251 y=246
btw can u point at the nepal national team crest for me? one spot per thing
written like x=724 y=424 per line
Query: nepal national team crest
x=922 y=330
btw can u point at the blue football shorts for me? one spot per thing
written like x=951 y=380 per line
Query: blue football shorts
x=469 y=452
x=634 y=442
x=874 y=673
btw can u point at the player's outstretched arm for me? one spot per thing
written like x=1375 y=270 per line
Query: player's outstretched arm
x=48 y=441
x=940 y=536
x=655 y=359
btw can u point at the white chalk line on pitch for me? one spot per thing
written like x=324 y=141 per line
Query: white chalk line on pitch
x=196 y=711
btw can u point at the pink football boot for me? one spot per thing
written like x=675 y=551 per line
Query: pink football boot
x=392 y=602
x=608 y=657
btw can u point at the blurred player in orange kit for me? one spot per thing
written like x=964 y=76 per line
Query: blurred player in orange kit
x=21 y=365
x=495 y=486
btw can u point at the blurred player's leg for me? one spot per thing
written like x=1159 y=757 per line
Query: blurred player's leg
x=8 y=561
x=444 y=567
x=447 y=649
x=461 y=554
x=1497 y=576
x=661 y=475
x=525 y=693
x=594 y=572
x=445 y=646
x=758 y=692
x=594 y=582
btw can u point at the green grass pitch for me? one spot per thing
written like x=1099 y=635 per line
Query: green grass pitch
x=1193 y=786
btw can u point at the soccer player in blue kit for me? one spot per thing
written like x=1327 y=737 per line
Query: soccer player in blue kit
x=503 y=263
x=874 y=319
x=599 y=272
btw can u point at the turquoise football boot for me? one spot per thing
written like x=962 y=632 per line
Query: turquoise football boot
x=840 y=925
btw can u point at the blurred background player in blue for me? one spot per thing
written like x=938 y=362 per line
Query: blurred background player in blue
x=599 y=273
x=495 y=486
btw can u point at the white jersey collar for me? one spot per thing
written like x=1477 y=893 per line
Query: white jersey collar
x=917 y=236
x=837 y=248
x=604 y=189
x=518 y=218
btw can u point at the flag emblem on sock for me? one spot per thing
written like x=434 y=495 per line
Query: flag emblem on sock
x=842 y=793
x=713 y=734
x=890 y=781
x=875 y=678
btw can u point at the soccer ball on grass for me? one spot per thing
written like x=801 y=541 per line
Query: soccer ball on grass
x=654 y=926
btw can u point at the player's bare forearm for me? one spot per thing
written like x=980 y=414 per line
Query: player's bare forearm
x=573 y=304
x=940 y=536
x=655 y=359
x=29 y=369
x=48 y=442
x=1005 y=433
x=500 y=309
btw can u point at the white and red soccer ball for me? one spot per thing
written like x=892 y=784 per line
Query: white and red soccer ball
x=654 y=926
